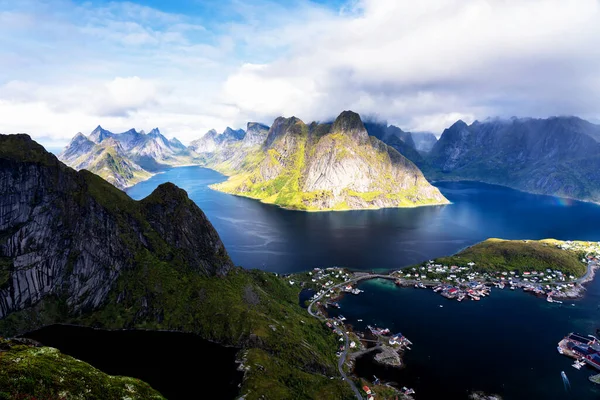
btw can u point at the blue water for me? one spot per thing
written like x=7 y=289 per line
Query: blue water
x=504 y=344
x=264 y=236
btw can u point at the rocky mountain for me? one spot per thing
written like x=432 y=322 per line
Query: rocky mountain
x=74 y=249
x=395 y=137
x=124 y=158
x=556 y=156
x=424 y=141
x=213 y=142
x=72 y=234
x=326 y=167
x=256 y=133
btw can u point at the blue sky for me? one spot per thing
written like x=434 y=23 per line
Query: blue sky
x=189 y=66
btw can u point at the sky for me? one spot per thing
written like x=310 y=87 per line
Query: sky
x=189 y=66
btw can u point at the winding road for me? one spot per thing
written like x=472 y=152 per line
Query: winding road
x=342 y=359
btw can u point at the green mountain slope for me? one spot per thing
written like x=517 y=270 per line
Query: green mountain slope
x=324 y=167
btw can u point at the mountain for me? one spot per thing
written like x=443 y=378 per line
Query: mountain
x=125 y=158
x=325 y=167
x=556 y=156
x=424 y=141
x=212 y=141
x=256 y=133
x=75 y=249
x=397 y=138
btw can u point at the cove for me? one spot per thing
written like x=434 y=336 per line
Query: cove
x=178 y=365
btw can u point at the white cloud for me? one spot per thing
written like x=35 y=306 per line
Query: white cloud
x=421 y=63
x=68 y=67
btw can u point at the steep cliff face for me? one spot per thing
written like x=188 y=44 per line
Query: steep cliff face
x=71 y=235
x=328 y=167
x=556 y=156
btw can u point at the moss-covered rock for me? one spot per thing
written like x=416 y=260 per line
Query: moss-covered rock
x=29 y=371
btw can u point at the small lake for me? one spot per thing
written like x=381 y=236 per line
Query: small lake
x=178 y=365
x=267 y=237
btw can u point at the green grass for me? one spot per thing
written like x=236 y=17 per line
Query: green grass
x=518 y=255
x=28 y=372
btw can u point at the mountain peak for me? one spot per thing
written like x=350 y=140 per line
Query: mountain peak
x=349 y=122
x=99 y=134
x=154 y=132
x=460 y=124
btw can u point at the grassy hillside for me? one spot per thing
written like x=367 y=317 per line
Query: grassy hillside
x=520 y=255
x=30 y=372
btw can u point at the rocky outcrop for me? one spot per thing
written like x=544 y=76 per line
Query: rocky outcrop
x=556 y=156
x=70 y=234
x=326 y=167
x=388 y=357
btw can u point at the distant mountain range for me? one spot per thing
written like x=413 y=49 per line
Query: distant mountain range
x=555 y=156
x=124 y=159
x=558 y=156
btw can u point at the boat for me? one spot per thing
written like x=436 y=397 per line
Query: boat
x=512 y=288
x=359 y=320
x=341 y=317
x=560 y=350
x=407 y=391
x=562 y=373
x=461 y=297
x=578 y=364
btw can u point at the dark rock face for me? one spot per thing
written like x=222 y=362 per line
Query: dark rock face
x=557 y=156
x=396 y=138
x=71 y=234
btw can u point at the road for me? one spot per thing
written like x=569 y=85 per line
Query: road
x=342 y=359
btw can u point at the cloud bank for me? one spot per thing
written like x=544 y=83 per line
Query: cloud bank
x=422 y=65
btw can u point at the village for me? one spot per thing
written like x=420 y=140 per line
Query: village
x=465 y=282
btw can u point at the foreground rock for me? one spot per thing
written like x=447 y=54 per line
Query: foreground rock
x=29 y=371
